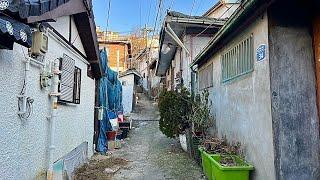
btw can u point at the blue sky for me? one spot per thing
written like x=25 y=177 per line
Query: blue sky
x=128 y=15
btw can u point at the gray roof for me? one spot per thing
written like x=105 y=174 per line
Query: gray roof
x=27 y=8
x=181 y=23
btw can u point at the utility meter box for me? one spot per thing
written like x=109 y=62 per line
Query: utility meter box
x=39 y=43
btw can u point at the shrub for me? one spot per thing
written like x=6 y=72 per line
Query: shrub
x=174 y=110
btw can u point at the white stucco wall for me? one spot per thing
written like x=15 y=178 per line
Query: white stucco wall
x=242 y=107
x=62 y=25
x=194 y=45
x=224 y=11
x=127 y=93
x=24 y=144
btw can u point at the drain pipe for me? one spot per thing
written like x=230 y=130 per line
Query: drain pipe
x=52 y=118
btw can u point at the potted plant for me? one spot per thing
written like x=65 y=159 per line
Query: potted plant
x=201 y=116
x=201 y=119
x=222 y=161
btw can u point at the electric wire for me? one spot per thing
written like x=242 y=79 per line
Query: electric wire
x=218 y=18
x=108 y=18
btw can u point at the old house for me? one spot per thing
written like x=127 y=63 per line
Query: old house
x=130 y=80
x=48 y=59
x=182 y=37
x=263 y=66
x=143 y=61
x=118 y=49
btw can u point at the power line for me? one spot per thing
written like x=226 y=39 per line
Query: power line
x=109 y=7
x=218 y=18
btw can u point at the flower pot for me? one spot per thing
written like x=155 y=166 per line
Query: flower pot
x=215 y=171
x=196 y=154
x=206 y=164
x=183 y=142
x=220 y=172
x=111 y=135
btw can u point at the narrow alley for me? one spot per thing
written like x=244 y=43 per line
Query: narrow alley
x=160 y=89
x=149 y=153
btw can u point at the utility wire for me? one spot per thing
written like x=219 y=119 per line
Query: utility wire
x=109 y=9
x=218 y=18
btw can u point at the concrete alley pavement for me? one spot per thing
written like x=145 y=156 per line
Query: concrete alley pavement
x=151 y=155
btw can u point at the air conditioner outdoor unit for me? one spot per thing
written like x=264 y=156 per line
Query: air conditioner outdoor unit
x=39 y=43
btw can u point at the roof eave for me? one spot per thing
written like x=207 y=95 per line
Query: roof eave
x=241 y=12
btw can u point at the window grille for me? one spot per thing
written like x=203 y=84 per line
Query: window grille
x=206 y=77
x=238 y=60
x=70 y=81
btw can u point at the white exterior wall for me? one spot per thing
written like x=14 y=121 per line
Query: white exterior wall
x=224 y=11
x=63 y=28
x=242 y=107
x=194 y=45
x=127 y=93
x=24 y=144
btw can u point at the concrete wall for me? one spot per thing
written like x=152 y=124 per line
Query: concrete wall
x=294 y=110
x=182 y=59
x=224 y=11
x=127 y=93
x=242 y=107
x=24 y=144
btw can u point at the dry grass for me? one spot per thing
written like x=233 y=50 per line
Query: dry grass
x=95 y=169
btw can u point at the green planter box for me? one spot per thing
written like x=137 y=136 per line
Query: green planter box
x=206 y=164
x=215 y=171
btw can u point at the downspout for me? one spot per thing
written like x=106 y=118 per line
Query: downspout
x=53 y=115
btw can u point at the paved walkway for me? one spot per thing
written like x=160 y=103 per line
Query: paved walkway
x=151 y=155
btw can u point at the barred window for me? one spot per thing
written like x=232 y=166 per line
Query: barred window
x=206 y=77
x=70 y=81
x=238 y=60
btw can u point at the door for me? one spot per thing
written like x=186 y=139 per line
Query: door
x=316 y=47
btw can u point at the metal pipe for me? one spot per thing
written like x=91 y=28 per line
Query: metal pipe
x=54 y=106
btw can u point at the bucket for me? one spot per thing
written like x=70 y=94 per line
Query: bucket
x=111 y=135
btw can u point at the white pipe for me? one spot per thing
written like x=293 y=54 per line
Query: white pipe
x=176 y=38
x=54 y=106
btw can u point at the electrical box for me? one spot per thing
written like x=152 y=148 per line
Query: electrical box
x=39 y=43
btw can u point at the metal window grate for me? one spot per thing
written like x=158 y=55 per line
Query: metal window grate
x=67 y=79
x=206 y=77
x=238 y=60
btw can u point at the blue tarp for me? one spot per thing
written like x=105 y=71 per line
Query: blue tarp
x=110 y=98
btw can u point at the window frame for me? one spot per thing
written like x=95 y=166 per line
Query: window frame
x=76 y=89
x=240 y=51
x=206 y=71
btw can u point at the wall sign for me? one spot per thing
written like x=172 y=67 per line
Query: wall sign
x=261 y=52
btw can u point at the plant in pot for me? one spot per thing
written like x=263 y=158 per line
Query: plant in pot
x=174 y=108
x=223 y=161
x=201 y=116
x=201 y=119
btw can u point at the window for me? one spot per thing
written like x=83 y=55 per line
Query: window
x=70 y=81
x=206 y=77
x=238 y=60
